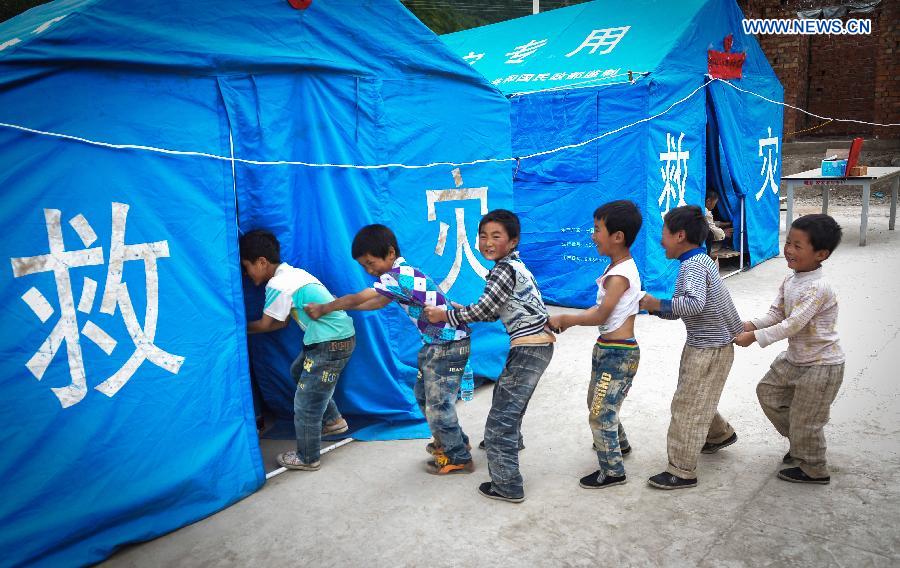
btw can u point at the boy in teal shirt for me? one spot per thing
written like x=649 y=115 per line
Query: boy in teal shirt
x=327 y=343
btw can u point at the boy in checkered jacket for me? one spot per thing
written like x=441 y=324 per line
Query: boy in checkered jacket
x=511 y=295
x=441 y=359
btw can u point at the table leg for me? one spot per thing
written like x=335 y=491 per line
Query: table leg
x=825 y=191
x=864 y=218
x=894 y=188
x=789 y=214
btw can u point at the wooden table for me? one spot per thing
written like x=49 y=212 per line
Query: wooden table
x=814 y=177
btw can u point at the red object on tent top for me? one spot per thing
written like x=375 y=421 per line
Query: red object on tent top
x=726 y=64
x=299 y=4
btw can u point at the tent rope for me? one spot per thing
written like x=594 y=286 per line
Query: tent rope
x=234 y=159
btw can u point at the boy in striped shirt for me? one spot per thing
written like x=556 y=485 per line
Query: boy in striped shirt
x=703 y=303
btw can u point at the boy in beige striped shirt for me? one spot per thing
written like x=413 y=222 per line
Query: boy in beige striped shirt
x=797 y=391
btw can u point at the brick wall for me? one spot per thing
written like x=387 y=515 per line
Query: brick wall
x=838 y=76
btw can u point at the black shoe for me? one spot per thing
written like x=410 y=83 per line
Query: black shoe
x=485 y=490
x=788 y=458
x=796 y=475
x=521 y=445
x=710 y=448
x=597 y=480
x=666 y=480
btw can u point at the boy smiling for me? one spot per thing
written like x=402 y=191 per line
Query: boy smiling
x=797 y=391
x=511 y=295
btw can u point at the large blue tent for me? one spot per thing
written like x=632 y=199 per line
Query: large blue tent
x=138 y=140
x=620 y=85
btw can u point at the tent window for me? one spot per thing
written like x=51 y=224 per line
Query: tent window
x=552 y=120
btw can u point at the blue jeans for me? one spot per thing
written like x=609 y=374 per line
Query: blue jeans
x=316 y=371
x=523 y=369
x=441 y=367
x=612 y=372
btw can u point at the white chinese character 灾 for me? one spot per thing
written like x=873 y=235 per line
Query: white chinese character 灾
x=769 y=165
x=463 y=248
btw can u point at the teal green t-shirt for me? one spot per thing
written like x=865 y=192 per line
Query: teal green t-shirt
x=292 y=288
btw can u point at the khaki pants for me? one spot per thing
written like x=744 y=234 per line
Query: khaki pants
x=797 y=400
x=695 y=421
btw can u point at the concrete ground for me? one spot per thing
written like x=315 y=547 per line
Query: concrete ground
x=372 y=504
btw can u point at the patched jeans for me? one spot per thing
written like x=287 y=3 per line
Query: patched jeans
x=441 y=367
x=524 y=366
x=316 y=371
x=612 y=371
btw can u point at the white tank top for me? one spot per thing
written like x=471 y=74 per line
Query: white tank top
x=628 y=303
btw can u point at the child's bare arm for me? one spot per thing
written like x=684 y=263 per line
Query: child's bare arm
x=266 y=324
x=615 y=286
x=367 y=299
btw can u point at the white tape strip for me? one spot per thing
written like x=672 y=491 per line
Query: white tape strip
x=100 y=337
x=38 y=304
x=88 y=291
x=84 y=230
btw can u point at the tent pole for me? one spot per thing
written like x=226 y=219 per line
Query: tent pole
x=741 y=267
x=535 y=6
x=335 y=446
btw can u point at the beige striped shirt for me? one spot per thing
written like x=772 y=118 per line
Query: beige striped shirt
x=805 y=313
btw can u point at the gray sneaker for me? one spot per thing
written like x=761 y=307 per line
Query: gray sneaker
x=291 y=460
x=339 y=426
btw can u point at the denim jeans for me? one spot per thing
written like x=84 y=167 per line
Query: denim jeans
x=524 y=366
x=612 y=371
x=441 y=366
x=316 y=371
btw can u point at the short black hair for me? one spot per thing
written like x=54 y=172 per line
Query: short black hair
x=823 y=231
x=690 y=219
x=376 y=240
x=260 y=243
x=621 y=215
x=508 y=219
x=711 y=194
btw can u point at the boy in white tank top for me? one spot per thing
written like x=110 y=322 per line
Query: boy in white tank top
x=616 y=353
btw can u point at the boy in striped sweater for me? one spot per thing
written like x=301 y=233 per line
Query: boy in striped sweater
x=797 y=392
x=703 y=303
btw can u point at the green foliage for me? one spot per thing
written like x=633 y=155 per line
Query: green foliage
x=446 y=16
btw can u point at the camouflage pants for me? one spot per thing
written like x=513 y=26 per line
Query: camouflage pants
x=797 y=400
x=612 y=370
x=695 y=421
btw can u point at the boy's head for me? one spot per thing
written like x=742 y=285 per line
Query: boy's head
x=810 y=240
x=684 y=228
x=712 y=198
x=375 y=248
x=616 y=225
x=498 y=234
x=260 y=255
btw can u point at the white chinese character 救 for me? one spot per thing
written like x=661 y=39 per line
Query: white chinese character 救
x=674 y=173
x=115 y=295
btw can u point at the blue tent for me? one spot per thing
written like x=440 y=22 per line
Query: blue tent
x=622 y=85
x=126 y=409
